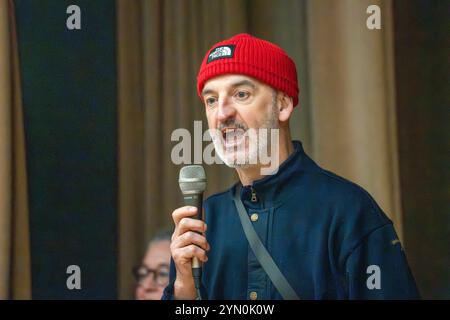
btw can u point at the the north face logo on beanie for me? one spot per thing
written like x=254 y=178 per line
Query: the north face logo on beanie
x=221 y=53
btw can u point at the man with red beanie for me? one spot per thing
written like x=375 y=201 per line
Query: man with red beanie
x=296 y=231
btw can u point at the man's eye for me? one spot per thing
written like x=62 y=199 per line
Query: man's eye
x=242 y=95
x=210 y=101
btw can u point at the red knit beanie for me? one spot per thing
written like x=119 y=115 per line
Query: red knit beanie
x=254 y=57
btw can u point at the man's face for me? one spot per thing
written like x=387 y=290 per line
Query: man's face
x=157 y=259
x=234 y=104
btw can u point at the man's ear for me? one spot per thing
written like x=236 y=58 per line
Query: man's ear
x=285 y=107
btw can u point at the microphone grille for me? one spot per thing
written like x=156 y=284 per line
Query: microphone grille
x=192 y=179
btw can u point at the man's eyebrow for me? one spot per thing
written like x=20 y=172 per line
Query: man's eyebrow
x=234 y=85
x=244 y=83
x=205 y=92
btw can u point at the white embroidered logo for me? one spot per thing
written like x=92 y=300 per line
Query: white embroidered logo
x=221 y=52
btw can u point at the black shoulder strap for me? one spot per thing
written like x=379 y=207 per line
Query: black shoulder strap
x=261 y=253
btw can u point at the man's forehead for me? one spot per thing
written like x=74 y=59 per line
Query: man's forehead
x=229 y=80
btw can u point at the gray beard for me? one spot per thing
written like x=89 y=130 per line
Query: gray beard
x=250 y=157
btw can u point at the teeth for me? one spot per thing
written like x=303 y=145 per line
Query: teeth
x=232 y=135
x=229 y=131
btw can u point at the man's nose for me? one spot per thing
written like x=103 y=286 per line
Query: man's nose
x=226 y=110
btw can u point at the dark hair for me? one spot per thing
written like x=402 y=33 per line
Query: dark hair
x=162 y=235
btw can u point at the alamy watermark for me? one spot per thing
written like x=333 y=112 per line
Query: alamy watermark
x=74 y=280
x=374 y=20
x=73 y=21
x=374 y=280
x=236 y=147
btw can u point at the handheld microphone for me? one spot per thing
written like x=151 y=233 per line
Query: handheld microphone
x=192 y=181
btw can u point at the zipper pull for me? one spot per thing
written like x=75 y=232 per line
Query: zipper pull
x=254 y=198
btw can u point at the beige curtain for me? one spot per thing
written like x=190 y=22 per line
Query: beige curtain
x=345 y=120
x=15 y=277
x=351 y=72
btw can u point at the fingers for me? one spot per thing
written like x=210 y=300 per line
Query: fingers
x=189 y=224
x=185 y=254
x=189 y=238
x=184 y=222
x=180 y=213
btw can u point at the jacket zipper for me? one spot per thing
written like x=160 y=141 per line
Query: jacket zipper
x=254 y=198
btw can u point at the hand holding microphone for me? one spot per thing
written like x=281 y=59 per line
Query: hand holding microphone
x=189 y=245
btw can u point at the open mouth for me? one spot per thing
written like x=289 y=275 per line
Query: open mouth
x=232 y=136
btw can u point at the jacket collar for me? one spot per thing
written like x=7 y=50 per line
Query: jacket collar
x=274 y=189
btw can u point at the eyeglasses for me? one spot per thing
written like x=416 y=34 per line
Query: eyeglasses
x=160 y=274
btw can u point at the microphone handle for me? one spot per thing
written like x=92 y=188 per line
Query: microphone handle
x=195 y=200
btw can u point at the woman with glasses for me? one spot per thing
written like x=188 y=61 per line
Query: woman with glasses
x=152 y=275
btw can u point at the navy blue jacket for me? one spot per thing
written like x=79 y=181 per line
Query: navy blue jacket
x=326 y=234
